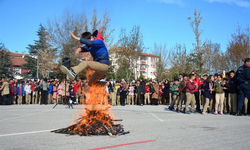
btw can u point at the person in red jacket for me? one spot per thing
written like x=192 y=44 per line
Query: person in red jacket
x=196 y=92
x=147 y=94
x=190 y=88
x=76 y=87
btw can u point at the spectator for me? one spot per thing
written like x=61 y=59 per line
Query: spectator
x=190 y=87
x=5 y=91
x=131 y=94
x=20 y=94
x=208 y=93
x=219 y=87
x=15 y=92
x=166 y=91
x=44 y=86
x=155 y=95
x=27 y=90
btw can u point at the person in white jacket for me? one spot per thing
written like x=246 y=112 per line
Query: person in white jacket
x=27 y=90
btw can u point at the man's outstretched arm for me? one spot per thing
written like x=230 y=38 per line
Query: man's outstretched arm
x=83 y=40
x=75 y=37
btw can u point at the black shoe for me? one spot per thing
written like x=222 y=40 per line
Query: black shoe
x=170 y=108
x=178 y=111
x=239 y=113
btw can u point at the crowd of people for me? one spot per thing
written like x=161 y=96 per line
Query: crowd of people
x=215 y=94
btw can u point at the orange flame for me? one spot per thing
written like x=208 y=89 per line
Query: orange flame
x=96 y=110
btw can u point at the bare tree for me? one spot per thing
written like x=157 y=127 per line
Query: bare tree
x=181 y=61
x=199 y=46
x=163 y=60
x=129 y=49
x=238 y=47
x=58 y=28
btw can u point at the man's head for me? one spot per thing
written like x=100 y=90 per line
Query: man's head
x=219 y=77
x=215 y=76
x=185 y=77
x=176 y=81
x=232 y=73
x=247 y=62
x=191 y=76
x=205 y=77
x=88 y=35
x=180 y=76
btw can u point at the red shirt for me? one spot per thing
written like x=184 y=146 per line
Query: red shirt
x=147 y=90
x=76 y=86
x=160 y=90
x=197 y=80
x=190 y=87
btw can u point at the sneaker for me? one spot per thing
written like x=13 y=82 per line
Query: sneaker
x=187 y=112
x=215 y=112
x=204 y=113
x=221 y=113
x=193 y=112
x=70 y=73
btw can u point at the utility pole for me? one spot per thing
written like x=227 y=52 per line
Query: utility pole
x=37 y=66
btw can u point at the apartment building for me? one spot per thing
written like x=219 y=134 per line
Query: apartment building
x=145 y=65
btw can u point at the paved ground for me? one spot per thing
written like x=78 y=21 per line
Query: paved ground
x=27 y=127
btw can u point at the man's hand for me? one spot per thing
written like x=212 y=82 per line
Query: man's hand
x=78 y=51
x=75 y=37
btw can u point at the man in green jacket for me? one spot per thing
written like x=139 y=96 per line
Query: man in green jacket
x=174 y=91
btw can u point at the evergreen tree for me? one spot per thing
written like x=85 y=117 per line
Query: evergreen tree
x=44 y=52
x=31 y=65
x=5 y=62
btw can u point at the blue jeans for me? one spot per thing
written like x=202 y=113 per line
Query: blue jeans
x=6 y=100
x=243 y=93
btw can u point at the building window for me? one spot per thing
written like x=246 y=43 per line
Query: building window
x=17 y=70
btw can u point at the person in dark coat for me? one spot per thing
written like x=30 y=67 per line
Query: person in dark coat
x=208 y=93
x=15 y=92
x=142 y=91
x=166 y=91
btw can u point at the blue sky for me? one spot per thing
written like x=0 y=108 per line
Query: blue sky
x=161 y=21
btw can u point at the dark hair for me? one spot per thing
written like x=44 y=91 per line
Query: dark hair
x=209 y=78
x=181 y=74
x=232 y=71
x=228 y=74
x=247 y=60
x=45 y=79
x=191 y=75
x=220 y=75
x=86 y=35
x=216 y=74
x=184 y=75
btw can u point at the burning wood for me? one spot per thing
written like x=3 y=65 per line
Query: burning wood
x=96 y=119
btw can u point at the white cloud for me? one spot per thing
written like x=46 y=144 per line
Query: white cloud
x=174 y=2
x=241 y=3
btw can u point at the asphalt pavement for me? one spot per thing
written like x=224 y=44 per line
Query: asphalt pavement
x=27 y=127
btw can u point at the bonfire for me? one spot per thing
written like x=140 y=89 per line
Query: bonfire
x=96 y=118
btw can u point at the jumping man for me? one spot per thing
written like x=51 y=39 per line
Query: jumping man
x=94 y=44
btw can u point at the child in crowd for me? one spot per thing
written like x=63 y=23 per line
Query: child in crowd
x=118 y=94
x=20 y=93
x=208 y=93
x=219 y=87
x=131 y=94
x=147 y=94
x=72 y=95
x=190 y=87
